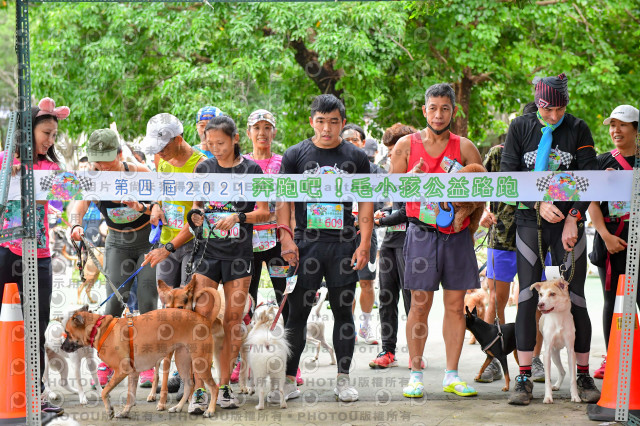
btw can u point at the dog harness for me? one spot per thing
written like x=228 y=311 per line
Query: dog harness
x=104 y=336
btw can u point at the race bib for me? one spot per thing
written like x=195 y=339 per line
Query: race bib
x=402 y=227
x=174 y=213
x=618 y=208
x=278 y=271
x=325 y=216
x=264 y=239
x=123 y=214
x=213 y=218
x=450 y=165
x=428 y=213
x=13 y=217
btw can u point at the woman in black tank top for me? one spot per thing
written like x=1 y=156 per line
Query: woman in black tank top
x=128 y=239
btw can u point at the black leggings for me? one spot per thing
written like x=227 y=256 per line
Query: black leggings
x=11 y=272
x=344 y=331
x=272 y=258
x=391 y=284
x=529 y=272
x=610 y=298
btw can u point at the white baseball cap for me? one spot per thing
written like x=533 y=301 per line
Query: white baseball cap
x=161 y=129
x=625 y=113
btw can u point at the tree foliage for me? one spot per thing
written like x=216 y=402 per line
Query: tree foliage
x=126 y=62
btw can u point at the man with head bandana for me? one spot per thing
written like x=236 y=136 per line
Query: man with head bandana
x=550 y=140
x=435 y=253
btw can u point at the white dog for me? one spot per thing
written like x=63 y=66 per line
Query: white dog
x=268 y=353
x=56 y=359
x=315 y=328
x=558 y=331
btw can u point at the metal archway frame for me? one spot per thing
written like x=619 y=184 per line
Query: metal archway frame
x=28 y=230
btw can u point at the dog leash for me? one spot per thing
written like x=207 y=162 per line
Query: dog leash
x=496 y=320
x=563 y=267
x=287 y=290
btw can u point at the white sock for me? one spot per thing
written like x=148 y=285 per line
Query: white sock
x=366 y=317
x=450 y=376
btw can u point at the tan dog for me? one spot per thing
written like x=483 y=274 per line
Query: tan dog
x=135 y=344
x=206 y=301
x=471 y=209
x=558 y=331
x=91 y=274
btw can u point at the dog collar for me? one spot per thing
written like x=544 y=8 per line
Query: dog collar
x=94 y=330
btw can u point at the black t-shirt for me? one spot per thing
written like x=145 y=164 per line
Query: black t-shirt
x=231 y=248
x=571 y=149
x=306 y=158
x=398 y=218
x=607 y=161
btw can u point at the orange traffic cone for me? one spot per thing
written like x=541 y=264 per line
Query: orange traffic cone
x=13 y=399
x=605 y=409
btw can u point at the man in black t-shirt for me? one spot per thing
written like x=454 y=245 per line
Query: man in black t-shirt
x=550 y=140
x=324 y=245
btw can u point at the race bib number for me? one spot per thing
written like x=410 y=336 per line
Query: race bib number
x=174 y=213
x=213 y=218
x=428 y=213
x=123 y=214
x=450 y=165
x=618 y=208
x=264 y=239
x=325 y=216
x=279 y=271
x=398 y=228
x=291 y=284
x=402 y=227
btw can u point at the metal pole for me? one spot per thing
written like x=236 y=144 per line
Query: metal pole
x=29 y=245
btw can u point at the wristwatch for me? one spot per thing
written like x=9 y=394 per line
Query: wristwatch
x=144 y=208
x=575 y=213
x=170 y=247
x=242 y=218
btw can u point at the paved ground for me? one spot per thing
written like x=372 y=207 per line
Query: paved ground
x=381 y=401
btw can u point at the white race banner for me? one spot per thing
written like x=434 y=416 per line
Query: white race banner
x=521 y=186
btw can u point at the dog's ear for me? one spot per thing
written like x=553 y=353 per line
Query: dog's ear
x=190 y=288
x=474 y=312
x=164 y=293
x=84 y=308
x=467 y=309
x=78 y=320
x=562 y=284
x=535 y=287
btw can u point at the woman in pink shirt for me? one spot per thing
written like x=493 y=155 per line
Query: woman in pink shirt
x=44 y=122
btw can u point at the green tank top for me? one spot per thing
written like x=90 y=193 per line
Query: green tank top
x=176 y=211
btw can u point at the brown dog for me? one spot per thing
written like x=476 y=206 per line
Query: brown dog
x=91 y=274
x=471 y=209
x=197 y=297
x=133 y=344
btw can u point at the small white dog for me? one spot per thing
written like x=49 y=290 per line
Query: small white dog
x=558 y=331
x=268 y=353
x=56 y=359
x=315 y=328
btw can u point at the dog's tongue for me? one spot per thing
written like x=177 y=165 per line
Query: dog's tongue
x=547 y=311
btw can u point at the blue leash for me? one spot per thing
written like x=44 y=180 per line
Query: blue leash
x=154 y=237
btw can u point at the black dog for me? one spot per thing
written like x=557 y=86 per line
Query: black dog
x=487 y=335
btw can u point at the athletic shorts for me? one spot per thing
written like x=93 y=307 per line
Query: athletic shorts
x=369 y=271
x=325 y=260
x=502 y=266
x=432 y=258
x=222 y=271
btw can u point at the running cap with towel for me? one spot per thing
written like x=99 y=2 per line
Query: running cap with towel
x=551 y=92
x=161 y=128
x=103 y=145
x=207 y=113
x=261 y=115
x=625 y=113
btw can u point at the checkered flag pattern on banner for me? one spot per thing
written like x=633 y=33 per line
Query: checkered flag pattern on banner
x=543 y=183
x=581 y=183
x=46 y=182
